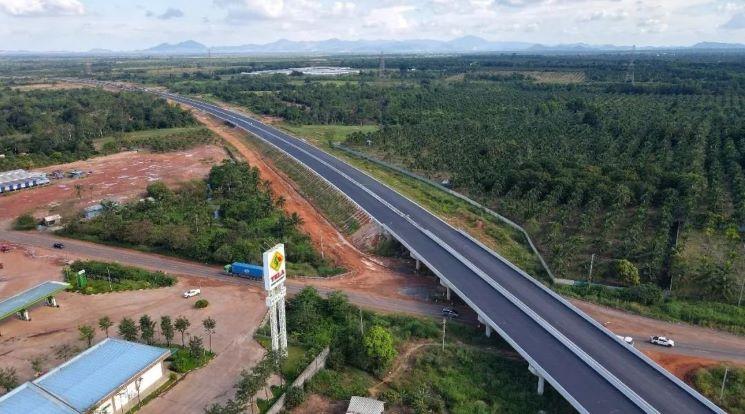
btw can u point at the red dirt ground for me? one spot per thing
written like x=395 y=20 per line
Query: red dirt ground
x=367 y=273
x=118 y=177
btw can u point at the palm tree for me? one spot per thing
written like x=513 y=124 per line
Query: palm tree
x=105 y=323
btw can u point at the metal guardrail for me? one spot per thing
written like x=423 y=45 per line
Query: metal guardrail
x=460 y=196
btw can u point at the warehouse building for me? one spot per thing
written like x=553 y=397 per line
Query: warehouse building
x=19 y=179
x=108 y=378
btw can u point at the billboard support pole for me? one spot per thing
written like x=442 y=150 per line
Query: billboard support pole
x=274 y=284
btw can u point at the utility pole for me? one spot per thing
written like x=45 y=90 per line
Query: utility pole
x=362 y=331
x=444 y=320
x=724 y=380
x=742 y=287
x=589 y=274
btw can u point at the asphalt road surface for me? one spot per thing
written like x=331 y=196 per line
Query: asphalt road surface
x=584 y=362
x=172 y=265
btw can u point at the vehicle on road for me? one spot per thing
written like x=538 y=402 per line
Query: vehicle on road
x=246 y=270
x=662 y=341
x=450 y=313
x=192 y=292
x=58 y=245
x=629 y=340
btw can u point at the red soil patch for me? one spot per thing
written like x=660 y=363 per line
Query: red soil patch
x=118 y=177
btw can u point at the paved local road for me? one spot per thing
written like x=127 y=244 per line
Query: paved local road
x=172 y=265
x=583 y=361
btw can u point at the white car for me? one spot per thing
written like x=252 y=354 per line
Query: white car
x=629 y=340
x=192 y=292
x=662 y=341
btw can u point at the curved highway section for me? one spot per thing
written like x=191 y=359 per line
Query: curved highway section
x=583 y=361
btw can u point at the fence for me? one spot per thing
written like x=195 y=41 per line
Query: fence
x=489 y=211
x=316 y=365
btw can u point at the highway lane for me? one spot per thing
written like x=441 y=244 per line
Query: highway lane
x=646 y=380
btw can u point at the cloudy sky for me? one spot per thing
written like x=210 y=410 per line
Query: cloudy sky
x=79 y=25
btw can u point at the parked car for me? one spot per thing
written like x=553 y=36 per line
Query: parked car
x=192 y=292
x=450 y=313
x=629 y=340
x=662 y=341
x=58 y=245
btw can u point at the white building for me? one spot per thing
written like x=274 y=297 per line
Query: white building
x=19 y=179
x=108 y=378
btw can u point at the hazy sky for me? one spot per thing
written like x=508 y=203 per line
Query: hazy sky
x=128 y=25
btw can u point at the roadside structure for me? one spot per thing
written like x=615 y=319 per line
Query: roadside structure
x=21 y=302
x=20 y=179
x=108 y=378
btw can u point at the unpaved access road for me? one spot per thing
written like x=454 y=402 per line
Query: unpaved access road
x=690 y=340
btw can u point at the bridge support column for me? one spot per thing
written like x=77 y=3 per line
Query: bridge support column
x=23 y=314
x=51 y=301
x=541 y=380
x=447 y=289
x=488 y=330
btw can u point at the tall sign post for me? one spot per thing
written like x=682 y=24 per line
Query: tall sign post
x=274 y=284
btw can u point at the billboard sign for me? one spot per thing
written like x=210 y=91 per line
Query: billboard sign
x=274 y=267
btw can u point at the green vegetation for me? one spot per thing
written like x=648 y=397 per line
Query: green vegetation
x=158 y=140
x=709 y=382
x=467 y=376
x=101 y=277
x=8 y=378
x=233 y=216
x=185 y=360
x=25 y=222
x=647 y=300
x=43 y=127
x=201 y=303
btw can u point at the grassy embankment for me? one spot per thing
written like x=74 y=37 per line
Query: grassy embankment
x=709 y=382
x=156 y=140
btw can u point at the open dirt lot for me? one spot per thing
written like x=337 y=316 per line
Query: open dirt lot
x=118 y=177
x=237 y=309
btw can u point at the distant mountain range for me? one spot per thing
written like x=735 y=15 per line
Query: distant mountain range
x=467 y=44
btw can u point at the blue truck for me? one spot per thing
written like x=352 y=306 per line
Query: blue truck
x=246 y=270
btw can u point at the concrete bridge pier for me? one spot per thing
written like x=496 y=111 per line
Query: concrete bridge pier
x=447 y=289
x=541 y=380
x=23 y=314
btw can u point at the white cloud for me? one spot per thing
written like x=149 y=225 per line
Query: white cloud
x=389 y=18
x=271 y=9
x=42 y=7
x=737 y=22
x=598 y=15
x=652 y=25
x=171 y=13
x=342 y=8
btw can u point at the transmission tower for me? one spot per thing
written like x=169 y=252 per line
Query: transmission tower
x=381 y=69
x=630 y=69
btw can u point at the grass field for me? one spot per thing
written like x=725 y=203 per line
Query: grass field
x=709 y=382
x=159 y=140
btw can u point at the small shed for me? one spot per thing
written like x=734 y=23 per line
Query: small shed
x=52 y=220
x=93 y=211
x=362 y=405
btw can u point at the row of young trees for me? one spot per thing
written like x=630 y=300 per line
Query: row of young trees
x=146 y=329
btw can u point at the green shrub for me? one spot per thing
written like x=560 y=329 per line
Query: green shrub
x=294 y=397
x=646 y=294
x=201 y=304
x=25 y=222
x=104 y=277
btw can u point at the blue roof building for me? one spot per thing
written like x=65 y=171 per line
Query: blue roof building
x=109 y=377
